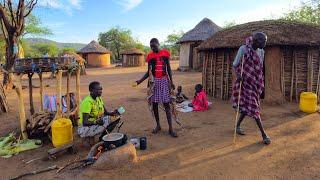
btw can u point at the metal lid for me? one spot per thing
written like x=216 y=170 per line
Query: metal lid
x=112 y=137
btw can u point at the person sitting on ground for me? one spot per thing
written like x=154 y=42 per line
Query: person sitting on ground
x=200 y=101
x=180 y=97
x=94 y=116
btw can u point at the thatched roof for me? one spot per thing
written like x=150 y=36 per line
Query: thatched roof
x=279 y=32
x=94 y=47
x=202 y=31
x=133 y=51
x=77 y=57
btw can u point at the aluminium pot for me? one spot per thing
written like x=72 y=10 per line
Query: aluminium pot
x=114 y=139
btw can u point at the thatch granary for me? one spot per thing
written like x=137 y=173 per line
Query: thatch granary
x=133 y=58
x=189 y=58
x=95 y=55
x=291 y=63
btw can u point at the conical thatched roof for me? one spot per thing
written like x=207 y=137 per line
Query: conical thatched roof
x=279 y=32
x=133 y=51
x=94 y=47
x=76 y=56
x=202 y=31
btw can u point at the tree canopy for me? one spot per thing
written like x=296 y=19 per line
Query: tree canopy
x=307 y=12
x=171 y=43
x=116 y=39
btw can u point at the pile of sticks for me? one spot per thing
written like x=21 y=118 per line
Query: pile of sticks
x=39 y=124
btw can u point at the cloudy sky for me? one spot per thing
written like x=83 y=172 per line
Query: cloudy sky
x=82 y=20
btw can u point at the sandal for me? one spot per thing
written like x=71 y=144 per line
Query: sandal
x=239 y=131
x=266 y=140
x=156 y=130
x=173 y=134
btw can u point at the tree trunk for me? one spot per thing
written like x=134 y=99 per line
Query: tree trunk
x=10 y=57
x=3 y=101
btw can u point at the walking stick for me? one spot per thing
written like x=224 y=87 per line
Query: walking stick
x=238 y=108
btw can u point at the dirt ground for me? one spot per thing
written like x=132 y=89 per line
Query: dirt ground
x=203 y=149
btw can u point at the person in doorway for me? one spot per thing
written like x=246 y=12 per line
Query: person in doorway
x=248 y=66
x=94 y=117
x=160 y=83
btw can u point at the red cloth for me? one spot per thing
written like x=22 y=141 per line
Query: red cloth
x=159 y=68
x=200 y=102
x=161 y=53
x=159 y=62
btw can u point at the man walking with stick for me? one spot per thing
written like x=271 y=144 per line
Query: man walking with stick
x=249 y=85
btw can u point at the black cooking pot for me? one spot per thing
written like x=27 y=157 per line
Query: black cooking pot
x=114 y=139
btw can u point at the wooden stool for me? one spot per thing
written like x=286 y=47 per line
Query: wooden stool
x=65 y=148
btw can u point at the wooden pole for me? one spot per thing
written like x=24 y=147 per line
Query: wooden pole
x=58 y=92
x=211 y=73
x=238 y=108
x=68 y=93
x=78 y=87
x=205 y=72
x=317 y=91
x=310 y=71
x=204 y=59
x=227 y=77
x=31 y=93
x=41 y=91
x=214 y=74
x=283 y=88
x=22 y=114
x=222 y=76
x=292 y=78
x=296 y=74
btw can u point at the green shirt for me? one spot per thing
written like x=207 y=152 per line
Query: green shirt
x=95 y=109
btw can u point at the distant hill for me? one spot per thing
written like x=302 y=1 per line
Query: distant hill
x=76 y=46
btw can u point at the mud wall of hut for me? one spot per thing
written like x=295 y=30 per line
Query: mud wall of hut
x=288 y=72
x=184 y=56
x=133 y=60
x=98 y=60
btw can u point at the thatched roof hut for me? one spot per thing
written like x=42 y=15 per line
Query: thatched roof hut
x=291 y=59
x=76 y=56
x=189 y=58
x=95 y=54
x=133 y=58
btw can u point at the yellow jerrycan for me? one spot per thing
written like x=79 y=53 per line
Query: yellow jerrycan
x=308 y=102
x=62 y=132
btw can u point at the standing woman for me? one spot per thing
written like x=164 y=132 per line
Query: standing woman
x=160 y=83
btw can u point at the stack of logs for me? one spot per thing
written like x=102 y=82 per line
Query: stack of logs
x=39 y=124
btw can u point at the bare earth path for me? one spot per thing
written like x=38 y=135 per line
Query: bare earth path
x=203 y=150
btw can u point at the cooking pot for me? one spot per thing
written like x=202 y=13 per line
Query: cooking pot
x=116 y=139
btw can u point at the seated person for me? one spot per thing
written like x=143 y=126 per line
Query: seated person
x=200 y=101
x=180 y=97
x=93 y=114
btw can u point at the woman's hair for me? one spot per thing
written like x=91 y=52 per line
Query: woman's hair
x=93 y=84
x=198 y=88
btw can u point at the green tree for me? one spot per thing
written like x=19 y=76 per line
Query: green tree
x=67 y=50
x=34 y=27
x=171 y=43
x=40 y=50
x=308 y=12
x=116 y=39
x=12 y=23
x=229 y=24
x=139 y=45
